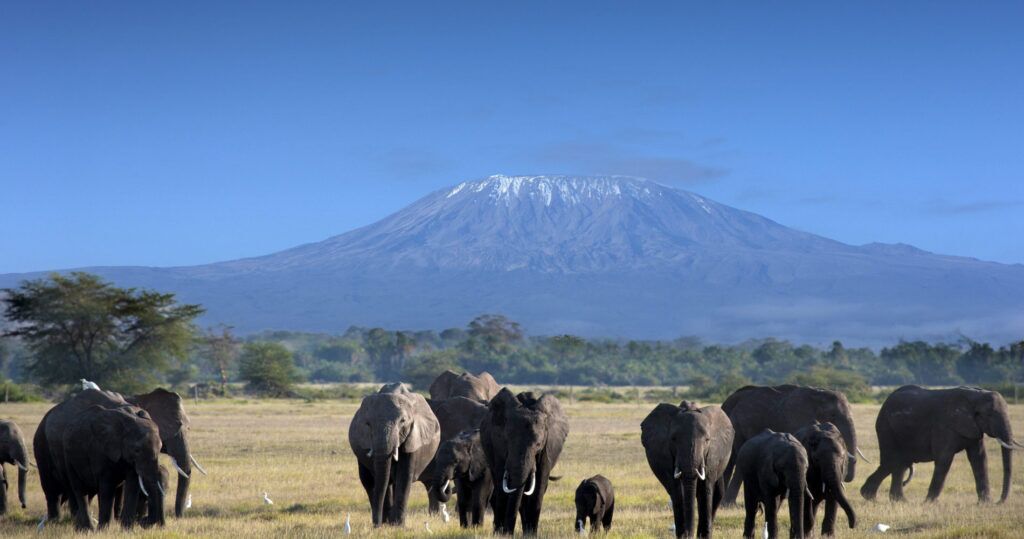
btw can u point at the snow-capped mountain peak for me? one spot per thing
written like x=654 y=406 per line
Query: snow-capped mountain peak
x=556 y=189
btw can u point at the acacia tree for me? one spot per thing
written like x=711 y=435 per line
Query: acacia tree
x=80 y=326
x=221 y=348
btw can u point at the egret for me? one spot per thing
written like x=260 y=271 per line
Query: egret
x=89 y=385
x=426 y=526
x=188 y=502
x=882 y=527
x=348 y=524
x=267 y=500
x=444 y=513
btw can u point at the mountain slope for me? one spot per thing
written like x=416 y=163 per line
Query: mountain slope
x=609 y=256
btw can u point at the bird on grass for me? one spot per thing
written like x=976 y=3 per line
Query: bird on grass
x=579 y=528
x=426 y=526
x=188 y=502
x=444 y=513
x=348 y=524
x=267 y=500
x=88 y=385
x=764 y=534
x=882 y=527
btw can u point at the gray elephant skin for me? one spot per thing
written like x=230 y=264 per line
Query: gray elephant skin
x=773 y=466
x=455 y=414
x=461 y=460
x=14 y=452
x=595 y=501
x=522 y=436
x=104 y=447
x=394 y=435
x=480 y=387
x=785 y=408
x=167 y=410
x=826 y=461
x=688 y=449
x=932 y=425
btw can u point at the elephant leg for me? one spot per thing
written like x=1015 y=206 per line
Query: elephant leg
x=500 y=508
x=464 y=502
x=870 y=488
x=810 y=508
x=106 y=502
x=771 y=515
x=828 y=524
x=976 y=456
x=81 y=502
x=704 y=497
x=731 y=475
x=676 y=495
x=433 y=504
x=606 y=518
x=366 y=478
x=942 y=465
x=530 y=512
x=118 y=500
x=403 y=483
x=896 y=487
x=719 y=493
x=750 y=512
x=733 y=490
x=595 y=521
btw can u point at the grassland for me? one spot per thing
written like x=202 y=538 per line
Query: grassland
x=298 y=452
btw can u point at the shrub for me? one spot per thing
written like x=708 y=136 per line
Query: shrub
x=853 y=385
x=267 y=369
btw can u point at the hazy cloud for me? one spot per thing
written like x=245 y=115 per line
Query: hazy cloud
x=607 y=158
x=945 y=207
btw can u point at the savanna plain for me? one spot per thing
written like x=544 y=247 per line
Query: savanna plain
x=298 y=453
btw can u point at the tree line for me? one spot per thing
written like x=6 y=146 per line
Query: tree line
x=64 y=328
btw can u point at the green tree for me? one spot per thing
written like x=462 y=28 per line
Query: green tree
x=492 y=334
x=267 y=368
x=221 y=351
x=421 y=370
x=80 y=326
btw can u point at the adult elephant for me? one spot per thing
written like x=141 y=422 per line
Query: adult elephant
x=785 y=408
x=773 y=466
x=12 y=451
x=688 y=449
x=826 y=467
x=167 y=410
x=448 y=384
x=48 y=445
x=394 y=435
x=522 y=437
x=105 y=447
x=932 y=425
x=455 y=415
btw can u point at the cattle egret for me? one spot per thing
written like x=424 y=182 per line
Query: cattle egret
x=883 y=528
x=765 y=532
x=88 y=385
x=188 y=502
x=42 y=523
x=348 y=524
x=579 y=527
x=267 y=500
x=444 y=513
x=426 y=526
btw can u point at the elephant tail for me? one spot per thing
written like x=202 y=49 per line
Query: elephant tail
x=909 y=475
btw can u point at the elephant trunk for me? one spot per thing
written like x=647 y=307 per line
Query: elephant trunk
x=178 y=449
x=381 y=479
x=689 y=488
x=1007 y=472
x=511 y=510
x=151 y=485
x=22 y=475
x=797 y=491
x=834 y=486
x=845 y=426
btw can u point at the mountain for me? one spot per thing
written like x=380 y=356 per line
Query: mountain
x=600 y=256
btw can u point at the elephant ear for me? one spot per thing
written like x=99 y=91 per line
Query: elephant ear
x=655 y=428
x=441 y=386
x=964 y=416
x=477 y=459
x=425 y=429
x=359 y=435
x=500 y=406
x=108 y=432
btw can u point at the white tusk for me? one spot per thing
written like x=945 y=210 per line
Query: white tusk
x=504 y=484
x=533 y=484
x=677 y=474
x=160 y=487
x=447 y=485
x=196 y=464
x=700 y=473
x=807 y=491
x=396 y=455
x=1006 y=445
x=22 y=466
x=143 y=487
x=861 y=453
x=176 y=467
x=369 y=454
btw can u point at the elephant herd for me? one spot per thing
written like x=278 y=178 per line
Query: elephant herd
x=495 y=449
x=100 y=444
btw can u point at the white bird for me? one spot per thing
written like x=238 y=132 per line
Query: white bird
x=426 y=526
x=579 y=528
x=88 y=385
x=444 y=513
x=188 y=502
x=765 y=532
x=267 y=500
x=347 y=530
x=882 y=528
x=42 y=523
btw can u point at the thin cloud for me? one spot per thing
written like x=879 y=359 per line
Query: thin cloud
x=605 y=158
x=943 y=207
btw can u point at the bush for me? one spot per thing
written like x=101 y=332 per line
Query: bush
x=268 y=369
x=853 y=385
x=421 y=371
x=12 y=392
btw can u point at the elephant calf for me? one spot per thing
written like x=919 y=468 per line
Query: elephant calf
x=595 y=499
x=12 y=451
x=827 y=458
x=772 y=466
x=462 y=459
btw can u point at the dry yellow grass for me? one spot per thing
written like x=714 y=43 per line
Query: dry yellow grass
x=298 y=452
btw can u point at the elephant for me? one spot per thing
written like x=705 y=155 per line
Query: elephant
x=688 y=449
x=462 y=459
x=826 y=467
x=772 y=466
x=455 y=414
x=167 y=410
x=932 y=425
x=595 y=500
x=522 y=437
x=785 y=408
x=104 y=447
x=448 y=384
x=394 y=435
x=48 y=445
x=12 y=451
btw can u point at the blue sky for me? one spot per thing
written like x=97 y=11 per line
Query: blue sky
x=191 y=132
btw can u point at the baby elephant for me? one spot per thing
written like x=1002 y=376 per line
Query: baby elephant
x=827 y=461
x=462 y=459
x=772 y=466
x=595 y=500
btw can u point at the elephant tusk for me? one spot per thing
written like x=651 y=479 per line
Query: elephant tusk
x=447 y=486
x=700 y=473
x=861 y=453
x=176 y=467
x=22 y=466
x=160 y=487
x=369 y=454
x=504 y=484
x=196 y=464
x=533 y=485
x=677 y=474
x=395 y=456
x=1008 y=446
x=143 y=488
x=807 y=491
